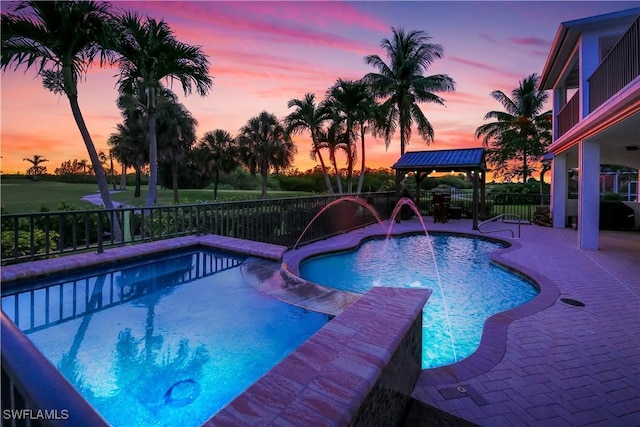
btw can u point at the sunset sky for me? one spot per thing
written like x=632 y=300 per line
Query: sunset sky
x=264 y=53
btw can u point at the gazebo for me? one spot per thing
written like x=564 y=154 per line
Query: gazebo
x=468 y=160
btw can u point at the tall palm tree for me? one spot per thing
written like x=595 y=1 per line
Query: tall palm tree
x=265 y=144
x=521 y=132
x=309 y=117
x=220 y=153
x=402 y=84
x=36 y=168
x=61 y=39
x=345 y=100
x=150 y=53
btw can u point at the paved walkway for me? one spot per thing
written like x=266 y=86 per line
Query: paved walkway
x=563 y=365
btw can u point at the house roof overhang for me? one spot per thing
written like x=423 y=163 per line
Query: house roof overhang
x=567 y=36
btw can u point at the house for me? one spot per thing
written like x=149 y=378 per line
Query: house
x=593 y=69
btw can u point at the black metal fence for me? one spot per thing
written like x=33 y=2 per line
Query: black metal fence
x=522 y=205
x=27 y=237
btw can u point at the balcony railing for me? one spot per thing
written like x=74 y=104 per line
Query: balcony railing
x=569 y=115
x=617 y=69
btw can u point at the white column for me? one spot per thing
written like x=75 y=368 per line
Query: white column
x=588 y=195
x=559 y=190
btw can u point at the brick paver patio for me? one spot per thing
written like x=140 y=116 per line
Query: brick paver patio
x=562 y=365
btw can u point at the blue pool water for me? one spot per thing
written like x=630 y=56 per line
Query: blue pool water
x=474 y=289
x=167 y=342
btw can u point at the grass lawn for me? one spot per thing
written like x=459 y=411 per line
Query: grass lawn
x=23 y=195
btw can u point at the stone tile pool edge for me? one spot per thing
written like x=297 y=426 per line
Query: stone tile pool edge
x=359 y=368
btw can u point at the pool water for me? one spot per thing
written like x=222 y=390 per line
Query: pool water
x=474 y=288
x=168 y=342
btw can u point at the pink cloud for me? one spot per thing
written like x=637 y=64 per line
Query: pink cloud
x=530 y=41
x=483 y=66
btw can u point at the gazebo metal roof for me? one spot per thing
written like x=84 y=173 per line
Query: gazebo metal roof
x=442 y=160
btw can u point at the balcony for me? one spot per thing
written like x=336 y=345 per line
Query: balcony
x=617 y=69
x=569 y=116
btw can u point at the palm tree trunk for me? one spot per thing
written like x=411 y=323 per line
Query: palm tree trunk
x=215 y=184
x=174 y=175
x=525 y=171
x=153 y=151
x=327 y=180
x=136 y=192
x=263 y=173
x=123 y=178
x=113 y=173
x=101 y=178
x=361 y=178
x=335 y=166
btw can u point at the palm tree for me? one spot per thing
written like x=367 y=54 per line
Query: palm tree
x=151 y=53
x=332 y=140
x=129 y=147
x=104 y=157
x=521 y=132
x=346 y=100
x=36 y=168
x=177 y=133
x=61 y=39
x=83 y=164
x=220 y=152
x=265 y=144
x=402 y=85
x=309 y=117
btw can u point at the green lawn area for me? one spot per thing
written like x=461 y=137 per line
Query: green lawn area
x=23 y=195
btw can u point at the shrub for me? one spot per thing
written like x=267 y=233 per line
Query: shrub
x=24 y=242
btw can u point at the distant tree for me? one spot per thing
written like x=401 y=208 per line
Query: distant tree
x=83 y=164
x=219 y=152
x=72 y=167
x=176 y=128
x=150 y=53
x=264 y=145
x=108 y=158
x=129 y=147
x=521 y=133
x=402 y=85
x=334 y=141
x=36 y=168
x=308 y=116
x=62 y=39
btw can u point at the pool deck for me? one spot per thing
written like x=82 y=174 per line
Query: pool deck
x=561 y=365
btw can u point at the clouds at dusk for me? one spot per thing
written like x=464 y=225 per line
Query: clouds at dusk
x=264 y=53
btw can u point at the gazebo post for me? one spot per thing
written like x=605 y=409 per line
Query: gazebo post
x=483 y=195
x=419 y=178
x=474 y=203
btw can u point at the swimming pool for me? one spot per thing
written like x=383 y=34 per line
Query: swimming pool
x=474 y=288
x=163 y=342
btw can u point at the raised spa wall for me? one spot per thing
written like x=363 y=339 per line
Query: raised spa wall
x=359 y=370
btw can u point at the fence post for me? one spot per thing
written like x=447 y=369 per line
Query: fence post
x=100 y=234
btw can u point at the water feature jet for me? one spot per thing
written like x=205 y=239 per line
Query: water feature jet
x=342 y=199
